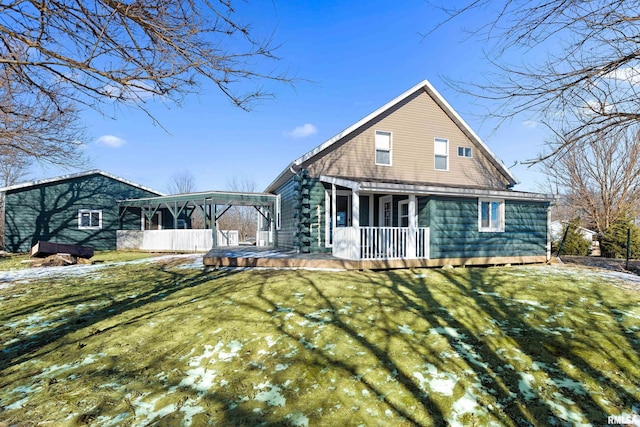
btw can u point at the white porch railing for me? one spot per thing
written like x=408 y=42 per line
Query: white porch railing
x=380 y=243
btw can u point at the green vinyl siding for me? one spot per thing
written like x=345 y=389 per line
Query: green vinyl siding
x=49 y=212
x=454 y=229
x=286 y=235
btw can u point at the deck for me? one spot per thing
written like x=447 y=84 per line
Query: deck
x=244 y=256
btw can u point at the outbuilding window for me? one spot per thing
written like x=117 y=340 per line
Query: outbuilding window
x=490 y=215
x=383 y=148
x=89 y=219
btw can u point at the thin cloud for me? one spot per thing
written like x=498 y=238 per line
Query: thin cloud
x=630 y=75
x=531 y=124
x=303 y=131
x=111 y=141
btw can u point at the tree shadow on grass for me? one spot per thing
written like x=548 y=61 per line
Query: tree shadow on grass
x=375 y=333
x=165 y=282
x=558 y=354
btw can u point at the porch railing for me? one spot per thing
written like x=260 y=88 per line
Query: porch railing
x=380 y=243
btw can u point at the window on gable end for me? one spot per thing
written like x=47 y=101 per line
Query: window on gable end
x=441 y=150
x=464 y=151
x=383 y=148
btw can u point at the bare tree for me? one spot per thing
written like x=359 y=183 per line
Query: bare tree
x=182 y=182
x=59 y=56
x=600 y=180
x=36 y=126
x=578 y=69
x=127 y=52
x=241 y=218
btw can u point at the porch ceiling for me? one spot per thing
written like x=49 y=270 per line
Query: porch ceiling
x=373 y=186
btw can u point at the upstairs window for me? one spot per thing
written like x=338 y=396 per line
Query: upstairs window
x=464 y=151
x=383 y=148
x=490 y=215
x=441 y=150
x=89 y=219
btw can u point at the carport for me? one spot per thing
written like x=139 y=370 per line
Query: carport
x=164 y=222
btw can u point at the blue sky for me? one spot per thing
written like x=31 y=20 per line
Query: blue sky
x=353 y=56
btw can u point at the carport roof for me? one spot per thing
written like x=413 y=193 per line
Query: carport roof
x=215 y=197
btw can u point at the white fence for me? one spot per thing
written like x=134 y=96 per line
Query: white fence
x=174 y=240
x=373 y=243
x=228 y=237
x=264 y=238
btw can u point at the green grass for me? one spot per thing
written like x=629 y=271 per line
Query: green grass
x=20 y=261
x=156 y=343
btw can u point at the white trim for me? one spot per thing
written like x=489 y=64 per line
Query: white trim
x=464 y=149
x=400 y=204
x=501 y=209
x=353 y=185
x=77 y=175
x=89 y=211
x=435 y=95
x=436 y=154
x=278 y=212
x=383 y=200
x=389 y=149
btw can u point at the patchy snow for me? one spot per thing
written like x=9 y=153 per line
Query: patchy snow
x=526 y=387
x=405 y=329
x=14 y=276
x=270 y=394
x=434 y=380
x=234 y=347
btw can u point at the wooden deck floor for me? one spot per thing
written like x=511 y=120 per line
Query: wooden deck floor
x=251 y=256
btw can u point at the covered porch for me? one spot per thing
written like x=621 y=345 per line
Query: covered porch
x=366 y=223
x=189 y=222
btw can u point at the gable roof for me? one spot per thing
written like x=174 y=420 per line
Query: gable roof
x=442 y=103
x=76 y=175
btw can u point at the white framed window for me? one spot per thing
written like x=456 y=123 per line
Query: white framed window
x=441 y=151
x=464 y=152
x=490 y=215
x=89 y=219
x=383 y=148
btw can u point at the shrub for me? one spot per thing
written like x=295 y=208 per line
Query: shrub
x=614 y=240
x=575 y=243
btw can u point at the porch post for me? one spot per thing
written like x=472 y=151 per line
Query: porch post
x=333 y=211
x=355 y=209
x=413 y=228
x=355 y=223
x=214 y=225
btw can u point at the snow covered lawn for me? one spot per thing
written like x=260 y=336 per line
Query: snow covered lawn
x=167 y=342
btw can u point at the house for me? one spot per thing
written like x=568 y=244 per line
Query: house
x=79 y=209
x=409 y=182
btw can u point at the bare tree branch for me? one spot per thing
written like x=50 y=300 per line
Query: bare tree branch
x=129 y=51
x=587 y=83
x=599 y=179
